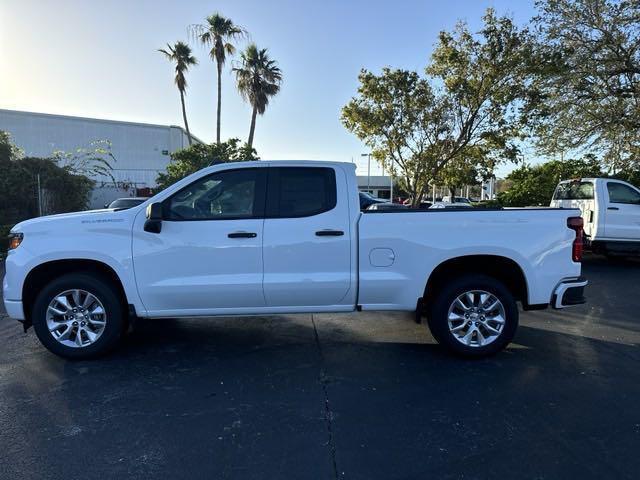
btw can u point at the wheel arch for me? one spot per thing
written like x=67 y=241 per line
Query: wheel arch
x=43 y=273
x=503 y=269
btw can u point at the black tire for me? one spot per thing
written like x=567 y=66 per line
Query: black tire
x=445 y=297
x=99 y=287
x=616 y=259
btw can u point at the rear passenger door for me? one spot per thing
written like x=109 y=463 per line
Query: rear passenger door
x=307 y=239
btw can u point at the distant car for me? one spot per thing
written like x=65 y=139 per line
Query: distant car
x=422 y=205
x=366 y=200
x=387 y=206
x=447 y=199
x=451 y=205
x=126 y=202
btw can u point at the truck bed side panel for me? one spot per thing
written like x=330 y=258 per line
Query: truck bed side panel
x=415 y=243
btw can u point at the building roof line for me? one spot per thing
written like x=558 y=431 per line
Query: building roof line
x=103 y=120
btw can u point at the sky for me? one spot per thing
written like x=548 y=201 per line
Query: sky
x=99 y=59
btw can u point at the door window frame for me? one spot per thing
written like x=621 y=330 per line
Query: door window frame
x=272 y=209
x=259 y=199
x=624 y=185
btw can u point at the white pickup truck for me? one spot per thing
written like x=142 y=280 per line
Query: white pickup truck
x=267 y=237
x=610 y=209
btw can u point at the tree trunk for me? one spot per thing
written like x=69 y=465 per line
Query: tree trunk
x=413 y=192
x=184 y=117
x=253 y=126
x=452 y=192
x=219 y=102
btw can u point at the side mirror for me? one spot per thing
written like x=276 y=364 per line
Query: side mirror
x=153 y=224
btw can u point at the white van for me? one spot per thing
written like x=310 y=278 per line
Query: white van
x=610 y=210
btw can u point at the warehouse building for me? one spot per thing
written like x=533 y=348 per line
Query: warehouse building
x=141 y=150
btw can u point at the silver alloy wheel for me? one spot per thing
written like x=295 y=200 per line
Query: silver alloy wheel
x=476 y=318
x=76 y=318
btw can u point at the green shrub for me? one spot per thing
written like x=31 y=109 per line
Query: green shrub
x=63 y=189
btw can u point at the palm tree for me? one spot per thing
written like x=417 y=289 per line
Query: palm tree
x=218 y=33
x=258 y=78
x=180 y=53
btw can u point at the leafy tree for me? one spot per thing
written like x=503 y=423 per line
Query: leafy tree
x=217 y=33
x=457 y=174
x=258 y=78
x=586 y=92
x=631 y=176
x=198 y=156
x=534 y=185
x=180 y=54
x=92 y=161
x=466 y=107
x=64 y=190
x=470 y=166
x=8 y=151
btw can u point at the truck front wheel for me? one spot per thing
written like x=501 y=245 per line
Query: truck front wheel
x=474 y=316
x=78 y=316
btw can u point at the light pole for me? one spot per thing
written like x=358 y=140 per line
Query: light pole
x=368 y=170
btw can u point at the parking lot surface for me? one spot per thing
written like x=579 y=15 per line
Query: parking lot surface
x=361 y=396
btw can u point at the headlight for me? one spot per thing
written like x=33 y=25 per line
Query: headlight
x=15 y=239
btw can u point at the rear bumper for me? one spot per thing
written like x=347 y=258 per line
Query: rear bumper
x=569 y=293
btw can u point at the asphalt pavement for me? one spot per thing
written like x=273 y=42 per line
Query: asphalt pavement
x=359 y=396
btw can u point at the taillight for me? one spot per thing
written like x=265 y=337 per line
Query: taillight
x=577 y=224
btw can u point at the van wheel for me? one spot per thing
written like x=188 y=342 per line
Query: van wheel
x=78 y=316
x=474 y=316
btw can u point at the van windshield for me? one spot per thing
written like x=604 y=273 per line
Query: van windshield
x=577 y=190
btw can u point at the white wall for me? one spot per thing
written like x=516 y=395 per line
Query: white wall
x=141 y=150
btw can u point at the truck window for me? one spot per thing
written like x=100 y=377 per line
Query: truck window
x=300 y=191
x=621 y=193
x=574 y=191
x=226 y=195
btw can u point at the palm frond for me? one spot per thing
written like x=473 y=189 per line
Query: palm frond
x=217 y=33
x=180 y=54
x=258 y=77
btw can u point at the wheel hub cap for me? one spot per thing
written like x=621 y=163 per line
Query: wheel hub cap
x=76 y=318
x=476 y=318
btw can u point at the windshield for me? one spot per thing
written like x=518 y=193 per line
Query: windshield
x=575 y=190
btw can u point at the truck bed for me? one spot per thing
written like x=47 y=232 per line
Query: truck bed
x=397 y=247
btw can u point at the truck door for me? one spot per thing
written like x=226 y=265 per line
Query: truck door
x=208 y=255
x=623 y=211
x=307 y=238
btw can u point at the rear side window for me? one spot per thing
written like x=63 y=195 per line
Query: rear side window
x=574 y=191
x=621 y=193
x=300 y=191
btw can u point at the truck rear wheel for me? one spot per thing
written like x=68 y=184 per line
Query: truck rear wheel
x=474 y=316
x=78 y=316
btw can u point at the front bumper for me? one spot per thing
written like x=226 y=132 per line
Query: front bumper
x=569 y=293
x=14 y=268
x=14 y=309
